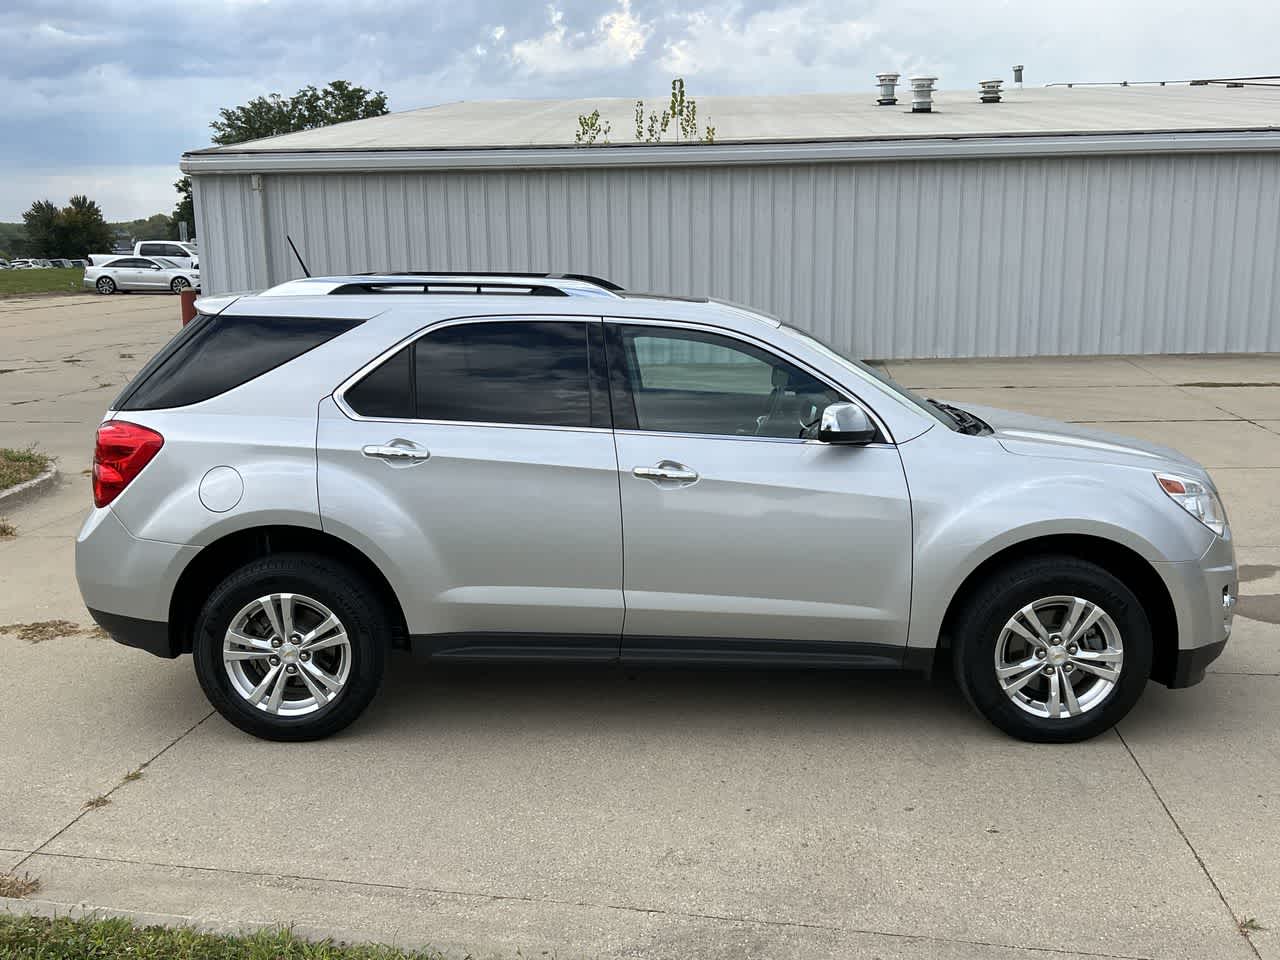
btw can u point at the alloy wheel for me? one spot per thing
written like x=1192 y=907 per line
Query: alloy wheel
x=287 y=654
x=1059 y=657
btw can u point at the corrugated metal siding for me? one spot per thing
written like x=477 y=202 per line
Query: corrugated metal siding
x=1081 y=255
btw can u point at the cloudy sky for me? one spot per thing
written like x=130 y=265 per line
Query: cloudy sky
x=102 y=97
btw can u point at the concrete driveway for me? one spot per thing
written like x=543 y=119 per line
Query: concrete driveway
x=680 y=813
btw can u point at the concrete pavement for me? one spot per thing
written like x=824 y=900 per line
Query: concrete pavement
x=651 y=813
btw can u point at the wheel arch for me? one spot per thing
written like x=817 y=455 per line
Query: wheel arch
x=219 y=558
x=1124 y=563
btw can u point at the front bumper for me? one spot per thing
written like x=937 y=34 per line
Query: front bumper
x=1189 y=665
x=1203 y=593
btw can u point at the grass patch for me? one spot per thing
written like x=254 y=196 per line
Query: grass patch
x=69 y=939
x=97 y=803
x=12 y=885
x=19 y=466
x=1251 y=925
x=41 y=630
x=7 y=529
x=14 y=283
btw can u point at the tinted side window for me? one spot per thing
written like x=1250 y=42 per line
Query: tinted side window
x=147 y=249
x=213 y=354
x=686 y=381
x=386 y=392
x=527 y=372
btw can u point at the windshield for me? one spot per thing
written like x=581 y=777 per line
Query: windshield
x=907 y=397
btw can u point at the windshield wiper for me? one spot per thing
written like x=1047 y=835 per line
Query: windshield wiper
x=966 y=422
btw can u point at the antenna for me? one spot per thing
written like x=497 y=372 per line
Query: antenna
x=298 y=255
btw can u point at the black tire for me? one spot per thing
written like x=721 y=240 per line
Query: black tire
x=1008 y=590
x=179 y=284
x=105 y=285
x=343 y=591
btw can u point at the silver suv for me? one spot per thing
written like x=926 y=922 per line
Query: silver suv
x=547 y=467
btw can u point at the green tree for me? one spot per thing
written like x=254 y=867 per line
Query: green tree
x=72 y=232
x=185 y=211
x=84 y=230
x=41 y=220
x=275 y=114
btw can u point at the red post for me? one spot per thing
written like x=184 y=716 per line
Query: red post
x=187 y=301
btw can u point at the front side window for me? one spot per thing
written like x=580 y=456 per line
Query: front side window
x=526 y=372
x=672 y=380
x=149 y=248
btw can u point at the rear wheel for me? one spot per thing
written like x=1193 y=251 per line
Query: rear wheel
x=1053 y=649
x=179 y=284
x=291 y=647
x=105 y=285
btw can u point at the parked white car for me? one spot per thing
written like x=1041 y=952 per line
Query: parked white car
x=180 y=252
x=28 y=264
x=109 y=274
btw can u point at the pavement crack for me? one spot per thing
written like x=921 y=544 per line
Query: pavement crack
x=1204 y=868
x=107 y=796
x=597 y=905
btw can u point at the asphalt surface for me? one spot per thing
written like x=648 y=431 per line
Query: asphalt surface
x=658 y=813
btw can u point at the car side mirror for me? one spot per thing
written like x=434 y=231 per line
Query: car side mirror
x=846 y=423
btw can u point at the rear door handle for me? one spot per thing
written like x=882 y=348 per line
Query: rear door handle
x=397 y=451
x=667 y=470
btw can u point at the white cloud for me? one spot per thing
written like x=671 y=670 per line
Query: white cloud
x=789 y=40
x=617 y=39
x=123 y=193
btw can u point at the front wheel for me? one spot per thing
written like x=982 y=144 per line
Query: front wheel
x=1053 y=649
x=291 y=647
x=179 y=284
x=105 y=285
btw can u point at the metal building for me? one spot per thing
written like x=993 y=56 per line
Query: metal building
x=1099 y=220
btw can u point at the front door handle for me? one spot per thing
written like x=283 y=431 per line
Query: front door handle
x=667 y=470
x=397 y=451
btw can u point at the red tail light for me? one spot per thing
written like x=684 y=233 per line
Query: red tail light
x=119 y=455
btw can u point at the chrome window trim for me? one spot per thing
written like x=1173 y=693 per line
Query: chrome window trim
x=770 y=349
x=339 y=394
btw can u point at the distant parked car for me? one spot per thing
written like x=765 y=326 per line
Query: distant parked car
x=24 y=263
x=180 y=252
x=61 y=263
x=139 y=273
x=79 y=263
x=4 y=264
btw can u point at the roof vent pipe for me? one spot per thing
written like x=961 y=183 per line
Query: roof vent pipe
x=888 y=94
x=1017 y=75
x=922 y=94
x=989 y=90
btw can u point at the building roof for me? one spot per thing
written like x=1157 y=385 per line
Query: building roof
x=535 y=127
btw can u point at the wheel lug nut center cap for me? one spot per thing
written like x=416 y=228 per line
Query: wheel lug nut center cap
x=1057 y=656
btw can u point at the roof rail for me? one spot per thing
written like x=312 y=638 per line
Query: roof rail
x=464 y=283
x=504 y=275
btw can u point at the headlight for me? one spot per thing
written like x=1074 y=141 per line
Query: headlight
x=1197 y=498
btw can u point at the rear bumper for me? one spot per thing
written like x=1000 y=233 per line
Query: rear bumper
x=149 y=635
x=127 y=583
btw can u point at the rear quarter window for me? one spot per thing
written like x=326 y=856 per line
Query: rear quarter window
x=213 y=354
